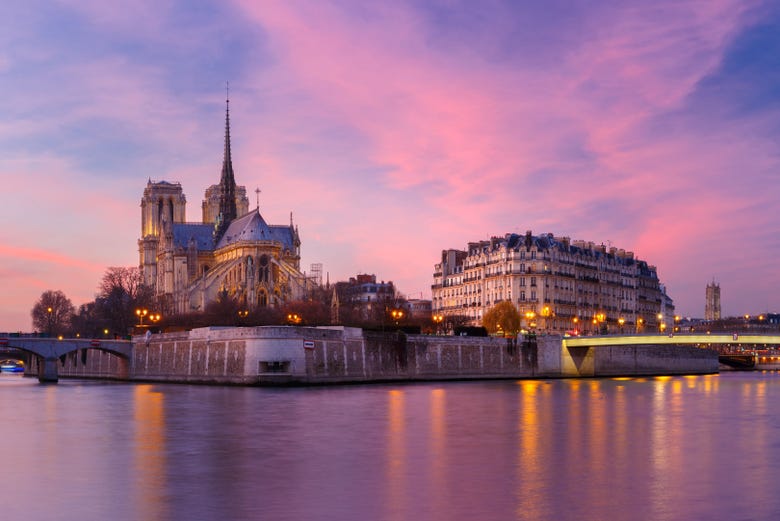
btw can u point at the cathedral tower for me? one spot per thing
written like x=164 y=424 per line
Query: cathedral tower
x=162 y=203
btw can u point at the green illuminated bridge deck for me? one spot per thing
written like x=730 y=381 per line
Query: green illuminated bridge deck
x=680 y=339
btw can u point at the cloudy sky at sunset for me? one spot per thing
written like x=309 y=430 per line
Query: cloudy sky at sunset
x=393 y=130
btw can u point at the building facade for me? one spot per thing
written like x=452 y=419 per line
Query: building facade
x=712 y=302
x=558 y=285
x=233 y=252
x=361 y=298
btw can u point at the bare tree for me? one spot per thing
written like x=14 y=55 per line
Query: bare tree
x=52 y=313
x=120 y=292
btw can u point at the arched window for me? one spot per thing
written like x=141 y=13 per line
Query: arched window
x=264 y=268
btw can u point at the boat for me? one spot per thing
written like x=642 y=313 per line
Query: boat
x=12 y=366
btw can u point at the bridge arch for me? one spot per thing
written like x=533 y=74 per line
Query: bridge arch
x=50 y=351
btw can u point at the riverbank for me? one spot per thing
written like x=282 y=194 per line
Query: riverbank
x=282 y=355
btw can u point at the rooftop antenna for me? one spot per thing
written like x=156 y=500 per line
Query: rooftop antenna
x=257 y=192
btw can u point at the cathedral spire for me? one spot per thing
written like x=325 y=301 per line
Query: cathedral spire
x=227 y=182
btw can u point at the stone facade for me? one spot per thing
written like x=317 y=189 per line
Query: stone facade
x=557 y=285
x=712 y=302
x=275 y=355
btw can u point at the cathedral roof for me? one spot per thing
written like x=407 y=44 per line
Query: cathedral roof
x=252 y=227
x=202 y=234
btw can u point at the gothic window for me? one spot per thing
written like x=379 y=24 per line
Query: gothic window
x=262 y=299
x=264 y=268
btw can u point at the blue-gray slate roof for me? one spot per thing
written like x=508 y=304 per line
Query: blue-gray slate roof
x=203 y=234
x=252 y=227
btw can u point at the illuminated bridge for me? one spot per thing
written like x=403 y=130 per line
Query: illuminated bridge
x=51 y=350
x=734 y=350
x=711 y=341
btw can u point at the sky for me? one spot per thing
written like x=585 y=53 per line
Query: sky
x=395 y=130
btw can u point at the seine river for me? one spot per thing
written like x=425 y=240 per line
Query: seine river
x=703 y=447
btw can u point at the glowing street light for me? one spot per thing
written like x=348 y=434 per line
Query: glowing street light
x=437 y=319
x=141 y=313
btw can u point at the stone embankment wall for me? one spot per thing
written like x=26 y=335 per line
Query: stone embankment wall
x=300 y=355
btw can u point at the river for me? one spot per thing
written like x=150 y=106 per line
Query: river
x=699 y=447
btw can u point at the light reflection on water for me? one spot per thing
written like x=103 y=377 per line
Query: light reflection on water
x=653 y=448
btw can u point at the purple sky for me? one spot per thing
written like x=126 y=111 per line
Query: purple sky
x=395 y=131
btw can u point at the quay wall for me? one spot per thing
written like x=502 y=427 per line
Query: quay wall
x=274 y=355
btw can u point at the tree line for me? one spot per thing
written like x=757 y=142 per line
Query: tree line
x=121 y=292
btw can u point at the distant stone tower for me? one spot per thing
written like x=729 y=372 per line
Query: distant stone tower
x=712 y=302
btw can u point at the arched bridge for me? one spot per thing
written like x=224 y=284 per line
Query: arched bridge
x=50 y=350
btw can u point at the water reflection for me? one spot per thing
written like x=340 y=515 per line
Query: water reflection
x=654 y=448
x=149 y=452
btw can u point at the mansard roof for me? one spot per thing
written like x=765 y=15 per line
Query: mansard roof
x=202 y=234
x=252 y=227
x=548 y=241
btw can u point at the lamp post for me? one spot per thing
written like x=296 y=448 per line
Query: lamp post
x=661 y=324
x=294 y=318
x=397 y=315
x=575 y=322
x=621 y=321
x=141 y=313
x=437 y=319
x=639 y=324
x=529 y=317
x=599 y=319
x=50 y=321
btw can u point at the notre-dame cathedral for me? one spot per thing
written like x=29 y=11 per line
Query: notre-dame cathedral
x=233 y=251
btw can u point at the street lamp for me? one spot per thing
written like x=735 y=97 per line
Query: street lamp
x=621 y=321
x=575 y=321
x=437 y=319
x=397 y=315
x=599 y=319
x=155 y=317
x=529 y=316
x=661 y=324
x=50 y=327
x=639 y=323
x=294 y=318
x=141 y=313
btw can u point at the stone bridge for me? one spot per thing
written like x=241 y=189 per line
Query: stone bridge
x=51 y=350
